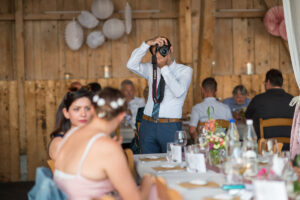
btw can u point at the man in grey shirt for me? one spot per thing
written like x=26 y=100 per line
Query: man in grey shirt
x=199 y=111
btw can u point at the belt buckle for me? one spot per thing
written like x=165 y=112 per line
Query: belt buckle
x=155 y=120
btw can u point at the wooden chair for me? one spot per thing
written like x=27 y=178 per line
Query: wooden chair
x=260 y=141
x=263 y=123
x=223 y=123
x=220 y=122
x=129 y=155
x=165 y=193
x=51 y=165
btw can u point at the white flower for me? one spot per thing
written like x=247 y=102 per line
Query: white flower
x=101 y=102
x=120 y=102
x=114 y=104
x=101 y=114
x=95 y=98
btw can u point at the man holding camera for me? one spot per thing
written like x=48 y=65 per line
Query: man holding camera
x=168 y=86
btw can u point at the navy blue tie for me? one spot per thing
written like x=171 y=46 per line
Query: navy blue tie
x=155 y=111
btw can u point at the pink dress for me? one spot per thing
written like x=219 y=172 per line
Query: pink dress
x=76 y=186
x=294 y=143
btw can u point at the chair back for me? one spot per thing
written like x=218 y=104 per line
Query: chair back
x=263 y=123
x=223 y=123
x=51 y=165
x=164 y=192
x=129 y=155
x=220 y=122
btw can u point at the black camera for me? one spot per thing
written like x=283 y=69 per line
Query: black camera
x=163 y=50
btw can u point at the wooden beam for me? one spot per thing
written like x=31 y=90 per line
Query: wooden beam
x=185 y=32
x=19 y=28
x=240 y=13
x=206 y=44
x=70 y=16
x=270 y=4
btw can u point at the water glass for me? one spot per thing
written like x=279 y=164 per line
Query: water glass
x=195 y=158
x=180 y=138
x=269 y=149
x=169 y=151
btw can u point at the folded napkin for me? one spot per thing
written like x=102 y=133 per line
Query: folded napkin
x=153 y=159
x=168 y=168
x=192 y=185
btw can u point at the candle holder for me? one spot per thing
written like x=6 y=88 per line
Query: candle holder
x=107 y=71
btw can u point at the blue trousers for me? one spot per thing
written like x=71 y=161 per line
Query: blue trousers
x=155 y=136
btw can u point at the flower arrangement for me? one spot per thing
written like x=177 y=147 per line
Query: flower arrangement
x=265 y=174
x=214 y=139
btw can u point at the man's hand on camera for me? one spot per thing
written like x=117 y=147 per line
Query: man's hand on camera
x=157 y=40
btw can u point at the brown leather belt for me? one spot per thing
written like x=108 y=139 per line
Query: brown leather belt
x=161 y=120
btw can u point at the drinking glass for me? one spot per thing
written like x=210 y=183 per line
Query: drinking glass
x=169 y=151
x=180 y=138
x=269 y=148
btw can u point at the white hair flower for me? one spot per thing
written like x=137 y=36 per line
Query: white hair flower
x=100 y=102
x=101 y=114
x=114 y=104
x=95 y=98
x=120 y=101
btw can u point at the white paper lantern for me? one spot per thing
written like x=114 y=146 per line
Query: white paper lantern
x=95 y=39
x=87 y=19
x=128 y=18
x=74 y=35
x=113 y=28
x=102 y=8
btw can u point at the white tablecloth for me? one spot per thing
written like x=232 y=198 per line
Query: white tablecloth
x=173 y=178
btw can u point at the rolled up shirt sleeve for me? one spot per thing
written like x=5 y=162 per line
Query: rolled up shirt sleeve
x=135 y=64
x=194 y=117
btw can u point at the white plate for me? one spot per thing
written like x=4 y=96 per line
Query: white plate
x=152 y=157
x=223 y=196
x=167 y=166
x=199 y=182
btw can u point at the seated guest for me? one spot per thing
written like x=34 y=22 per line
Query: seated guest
x=238 y=102
x=274 y=103
x=199 y=111
x=128 y=90
x=94 y=87
x=75 y=110
x=89 y=164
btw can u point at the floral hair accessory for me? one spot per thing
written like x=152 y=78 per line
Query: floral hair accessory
x=95 y=98
x=101 y=102
x=114 y=104
x=101 y=114
x=120 y=102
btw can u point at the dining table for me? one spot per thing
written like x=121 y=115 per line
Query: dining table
x=180 y=178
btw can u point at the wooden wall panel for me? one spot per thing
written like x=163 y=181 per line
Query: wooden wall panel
x=13 y=124
x=4 y=136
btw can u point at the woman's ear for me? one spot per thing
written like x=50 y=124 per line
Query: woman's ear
x=66 y=113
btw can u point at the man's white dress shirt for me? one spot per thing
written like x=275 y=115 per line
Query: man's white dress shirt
x=219 y=111
x=133 y=106
x=177 y=78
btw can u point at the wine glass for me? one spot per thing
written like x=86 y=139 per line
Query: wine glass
x=269 y=148
x=180 y=138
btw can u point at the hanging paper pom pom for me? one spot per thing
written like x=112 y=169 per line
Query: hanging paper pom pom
x=113 y=28
x=74 y=35
x=273 y=19
x=282 y=30
x=87 y=19
x=128 y=18
x=102 y=8
x=95 y=39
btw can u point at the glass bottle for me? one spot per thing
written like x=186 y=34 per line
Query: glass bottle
x=249 y=150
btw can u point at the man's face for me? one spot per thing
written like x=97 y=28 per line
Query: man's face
x=239 y=98
x=128 y=91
